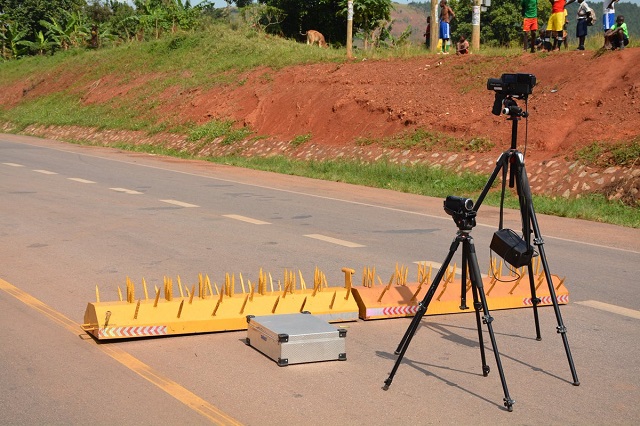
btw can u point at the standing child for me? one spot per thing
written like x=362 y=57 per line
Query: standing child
x=581 y=21
x=446 y=14
x=530 y=23
x=556 y=22
x=427 y=32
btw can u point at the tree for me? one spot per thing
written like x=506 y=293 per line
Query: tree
x=262 y=17
x=71 y=31
x=41 y=45
x=368 y=16
x=320 y=15
x=27 y=14
x=12 y=40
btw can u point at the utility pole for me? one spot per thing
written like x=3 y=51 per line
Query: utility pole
x=435 y=25
x=475 y=25
x=350 y=29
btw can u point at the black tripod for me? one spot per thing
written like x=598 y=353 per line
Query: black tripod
x=512 y=160
x=464 y=216
x=464 y=213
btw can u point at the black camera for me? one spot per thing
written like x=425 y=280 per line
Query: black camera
x=461 y=209
x=457 y=205
x=511 y=86
x=518 y=85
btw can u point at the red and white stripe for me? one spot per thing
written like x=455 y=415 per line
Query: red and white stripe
x=392 y=311
x=115 y=332
x=546 y=300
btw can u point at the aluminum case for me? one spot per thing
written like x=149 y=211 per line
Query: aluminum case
x=296 y=338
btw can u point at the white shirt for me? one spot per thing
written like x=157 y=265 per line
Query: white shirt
x=606 y=9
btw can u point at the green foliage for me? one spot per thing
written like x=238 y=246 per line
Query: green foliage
x=386 y=38
x=40 y=46
x=368 y=15
x=329 y=17
x=27 y=14
x=263 y=17
x=13 y=38
x=67 y=24
x=71 y=30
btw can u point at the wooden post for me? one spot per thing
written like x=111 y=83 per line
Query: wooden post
x=435 y=25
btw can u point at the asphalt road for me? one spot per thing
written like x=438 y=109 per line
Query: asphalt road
x=75 y=217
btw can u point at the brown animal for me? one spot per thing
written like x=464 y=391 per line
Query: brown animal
x=314 y=37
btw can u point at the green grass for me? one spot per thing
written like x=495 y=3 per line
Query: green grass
x=423 y=180
x=301 y=139
x=429 y=141
x=62 y=109
x=605 y=155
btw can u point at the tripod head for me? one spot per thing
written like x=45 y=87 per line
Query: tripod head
x=461 y=209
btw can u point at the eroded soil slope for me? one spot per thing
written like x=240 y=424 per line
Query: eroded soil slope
x=581 y=97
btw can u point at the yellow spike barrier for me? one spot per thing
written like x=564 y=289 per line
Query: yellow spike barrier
x=207 y=312
x=507 y=292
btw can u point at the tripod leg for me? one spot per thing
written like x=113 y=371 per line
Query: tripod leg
x=524 y=195
x=422 y=309
x=463 y=284
x=561 y=329
x=487 y=318
x=530 y=221
x=477 y=306
x=535 y=300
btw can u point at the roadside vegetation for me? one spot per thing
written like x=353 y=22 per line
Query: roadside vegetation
x=218 y=51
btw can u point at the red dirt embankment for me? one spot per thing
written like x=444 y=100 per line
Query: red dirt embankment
x=580 y=98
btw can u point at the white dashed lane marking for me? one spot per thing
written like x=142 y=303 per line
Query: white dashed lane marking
x=334 y=240
x=179 y=203
x=246 y=219
x=631 y=313
x=126 y=191
x=13 y=165
x=81 y=180
x=45 y=172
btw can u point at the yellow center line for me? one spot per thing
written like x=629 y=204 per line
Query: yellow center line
x=172 y=388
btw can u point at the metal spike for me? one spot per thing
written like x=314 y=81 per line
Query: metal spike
x=180 y=287
x=144 y=286
x=333 y=299
x=180 y=308
x=155 y=303
x=303 y=285
x=244 y=304
x=135 y=315
x=193 y=292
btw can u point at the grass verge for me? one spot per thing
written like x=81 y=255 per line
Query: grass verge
x=422 y=180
